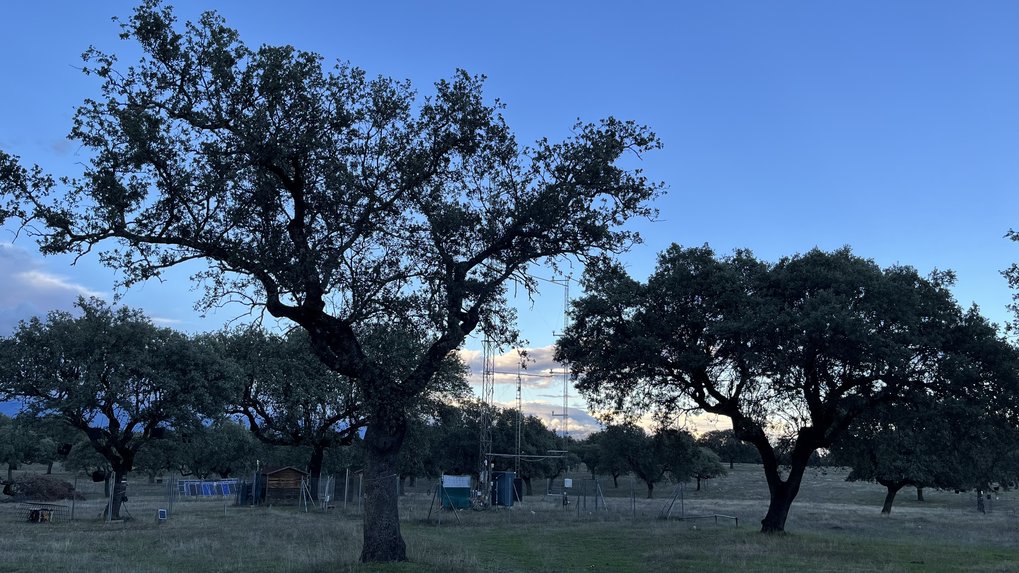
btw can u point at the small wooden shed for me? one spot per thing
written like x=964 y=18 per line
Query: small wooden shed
x=282 y=484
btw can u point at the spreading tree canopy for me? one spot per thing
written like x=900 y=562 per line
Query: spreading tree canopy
x=289 y=398
x=114 y=377
x=330 y=199
x=958 y=432
x=729 y=448
x=800 y=347
x=21 y=444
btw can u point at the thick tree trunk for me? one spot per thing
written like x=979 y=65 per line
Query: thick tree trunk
x=382 y=539
x=893 y=488
x=698 y=483
x=650 y=489
x=615 y=481
x=49 y=468
x=10 y=471
x=778 y=509
x=783 y=492
x=732 y=464
x=318 y=454
x=919 y=493
x=527 y=485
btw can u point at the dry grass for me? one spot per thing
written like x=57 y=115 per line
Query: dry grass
x=833 y=525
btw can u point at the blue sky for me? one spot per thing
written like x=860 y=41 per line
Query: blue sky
x=888 y=126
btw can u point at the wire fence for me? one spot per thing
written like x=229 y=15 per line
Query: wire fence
x=342 y=495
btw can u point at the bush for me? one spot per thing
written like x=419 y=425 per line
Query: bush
x=41 y=488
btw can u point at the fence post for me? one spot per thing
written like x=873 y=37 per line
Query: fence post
x=74 y=495
x=346 y=489
x=109 y=502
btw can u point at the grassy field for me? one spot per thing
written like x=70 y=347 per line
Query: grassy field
x=833 y=526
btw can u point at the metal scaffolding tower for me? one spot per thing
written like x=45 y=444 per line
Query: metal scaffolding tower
x=564 y=424
x=485 y=419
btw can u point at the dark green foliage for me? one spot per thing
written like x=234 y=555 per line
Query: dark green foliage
x=447 y=442
x=814 y=340
x=114 y=377
x=224 y=448
x=628 y=448
x=729 y=448
x=706 y=465
x=963 y=437
x=289 y=398
x=335 y=201
x=21 y=443
x=537 y=442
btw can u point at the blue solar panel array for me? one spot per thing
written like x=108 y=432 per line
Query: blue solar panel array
x=207 y=488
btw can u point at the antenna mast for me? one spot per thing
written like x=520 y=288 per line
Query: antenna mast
x=485 y=419
x=564 y=425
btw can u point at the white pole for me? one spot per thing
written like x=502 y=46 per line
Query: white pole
x=74 y=495
x=109 y=506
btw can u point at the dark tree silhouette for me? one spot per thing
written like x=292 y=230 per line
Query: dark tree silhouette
x=332 y=200
x=114 y=377
x=810 y=342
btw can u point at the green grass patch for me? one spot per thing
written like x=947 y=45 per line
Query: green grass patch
x=833 y=526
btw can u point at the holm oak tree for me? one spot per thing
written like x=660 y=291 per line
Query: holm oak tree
x=329 y=199
x=801 y=347
x=115 y=378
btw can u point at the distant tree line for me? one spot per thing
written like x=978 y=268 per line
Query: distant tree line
x=107 y=393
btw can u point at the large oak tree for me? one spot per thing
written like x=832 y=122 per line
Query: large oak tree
x=800 y=347
x=329 y=199
x=114 y=377
x=958 y=432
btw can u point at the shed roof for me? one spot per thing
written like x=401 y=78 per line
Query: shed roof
x=276 y=470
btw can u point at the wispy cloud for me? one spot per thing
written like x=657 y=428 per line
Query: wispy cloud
x=541 y=382
x=536 y=369
x=41 y=281
x=165 y=321
x=30 y=290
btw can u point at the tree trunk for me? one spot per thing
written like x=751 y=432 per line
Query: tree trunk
x=650 y=489
x=919 y=493
x=49 y=468
x=783 y=492
x=732 y=463
x=382 y=539
x=402 y=486
x=698 y=483
x=778 y=509
x=615 y=481
x=893 y=488
x=318 y=454
x=527 y=485
x=10 y=471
